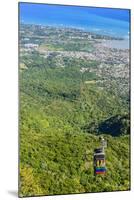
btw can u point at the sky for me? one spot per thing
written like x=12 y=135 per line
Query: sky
x=114 y=22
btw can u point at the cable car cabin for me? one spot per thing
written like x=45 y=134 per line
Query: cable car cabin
x=99 y=161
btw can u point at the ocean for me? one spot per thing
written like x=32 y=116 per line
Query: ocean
x=113 y=22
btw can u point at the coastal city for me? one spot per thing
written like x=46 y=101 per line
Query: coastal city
x=64 y=42
x=74 y=83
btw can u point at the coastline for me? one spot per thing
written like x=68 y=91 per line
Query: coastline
x=118 y=44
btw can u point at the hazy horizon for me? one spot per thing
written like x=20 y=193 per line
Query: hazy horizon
x=108 y=21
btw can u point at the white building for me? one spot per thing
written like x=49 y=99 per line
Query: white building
x=31 y=45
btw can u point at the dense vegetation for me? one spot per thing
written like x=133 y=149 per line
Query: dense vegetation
x=62 y=113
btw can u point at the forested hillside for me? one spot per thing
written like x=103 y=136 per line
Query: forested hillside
x=66 y=103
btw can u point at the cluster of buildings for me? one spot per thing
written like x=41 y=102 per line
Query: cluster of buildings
x=31 y=46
